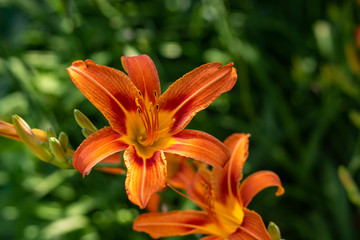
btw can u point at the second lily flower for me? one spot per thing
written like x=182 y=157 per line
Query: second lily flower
x=145 y=123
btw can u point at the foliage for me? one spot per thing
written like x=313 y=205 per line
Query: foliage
x=297 y=94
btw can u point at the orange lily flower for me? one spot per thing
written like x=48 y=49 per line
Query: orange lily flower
x=145 y=123
x=223 y=200
x=179 y=171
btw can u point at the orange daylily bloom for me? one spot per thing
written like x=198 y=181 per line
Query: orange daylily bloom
x=223 y=200
x=179 y=171
x=145 y=123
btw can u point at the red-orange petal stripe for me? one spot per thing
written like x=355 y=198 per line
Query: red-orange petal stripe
x=258 y=181
x=175 y=223
x=226 y=180
x=200 y=146
x=110 y=90
x=195 y=91
x=144 y=176
x=143 y=73
x=97 y=147
x=252 y=228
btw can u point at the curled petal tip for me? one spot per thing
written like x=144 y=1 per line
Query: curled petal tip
x=280 y=191
x=89 y=62
x=77 y=63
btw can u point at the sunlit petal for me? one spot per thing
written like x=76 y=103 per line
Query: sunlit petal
x=200 y=146
x=226 y=180
x=97 y=147
x=144 y=176
x=110 y=90
x=258 y=181
x=143 y=73
x=195 y=91
x=252 y=228
x=175 y=223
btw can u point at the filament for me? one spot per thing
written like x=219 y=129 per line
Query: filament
x=150 y=119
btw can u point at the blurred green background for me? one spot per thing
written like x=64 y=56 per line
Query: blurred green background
x=298 y=94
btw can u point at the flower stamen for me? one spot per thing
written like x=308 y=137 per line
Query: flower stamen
x=150 y=119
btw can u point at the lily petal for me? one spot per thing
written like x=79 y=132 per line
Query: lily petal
x=110 y=90
x=97 y=147
x=195 y=91
x=115 y=171
x=252 y=228
x=180 y=171
x=226 y=180
x=153 y=203
x=144 y=176
x=258 y=181
x=143 y=74
x=113 y=159
x=211 y=238
x=175 y=223
x=200 y=189
x=200 y=146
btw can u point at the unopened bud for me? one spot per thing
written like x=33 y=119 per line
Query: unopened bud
x=30 y=139
x=87 y=132
x=274 y=231
x=7 y=130
x=57 y=150
x=83 y=121
x=50 y=133
x=64 y=141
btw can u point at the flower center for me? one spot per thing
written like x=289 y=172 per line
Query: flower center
x=148 y=113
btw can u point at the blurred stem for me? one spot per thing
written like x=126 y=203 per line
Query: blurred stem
x=230 y=42
x=354 y=164
x=309 y=153
x=349 y=185
x=288 y=122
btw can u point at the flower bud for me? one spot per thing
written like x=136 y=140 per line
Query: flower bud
x=50 y=133
x=59 y=153
x=83 y=121
x=25 y=133
x=64 y=141
x=7 y=130
x=87 y=132
x=274 y=231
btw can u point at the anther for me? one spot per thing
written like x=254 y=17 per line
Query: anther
x=140 y=94
x=137 y=102
x=155 y=94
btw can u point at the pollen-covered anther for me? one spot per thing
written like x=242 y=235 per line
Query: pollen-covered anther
x=150 y=120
